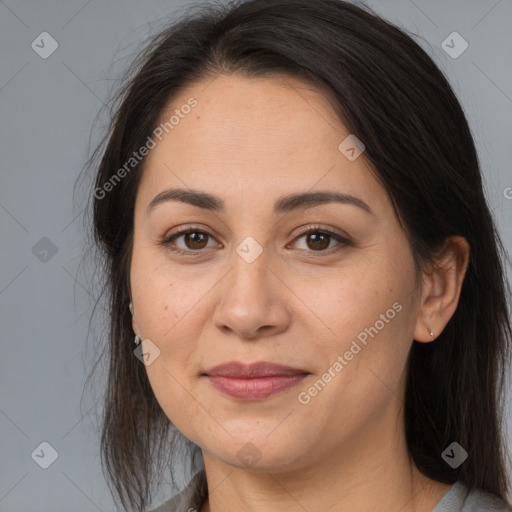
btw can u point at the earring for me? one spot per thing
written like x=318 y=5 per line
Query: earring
x=137 y=340
x=430 y=332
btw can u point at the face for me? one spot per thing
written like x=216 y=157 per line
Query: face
x=324 y=287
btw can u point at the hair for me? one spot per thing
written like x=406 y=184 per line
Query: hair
x=385 y=89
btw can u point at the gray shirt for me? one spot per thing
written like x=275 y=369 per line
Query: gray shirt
x=457 y=499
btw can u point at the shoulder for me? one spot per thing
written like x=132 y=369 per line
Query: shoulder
x=459 y=499
x=189 y=499
x=478 y=500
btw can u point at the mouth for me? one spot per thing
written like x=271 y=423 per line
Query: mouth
x=255 y=381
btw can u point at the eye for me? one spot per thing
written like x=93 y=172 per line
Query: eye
x=194 y=239
x=319 y=240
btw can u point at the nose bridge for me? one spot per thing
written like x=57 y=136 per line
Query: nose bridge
x=250 y=298
x=250 y=275
x=251 y=254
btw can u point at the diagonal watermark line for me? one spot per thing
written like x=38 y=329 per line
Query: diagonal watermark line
x=14 y=423
x=322 y=177
x=301 y=301
x=73 y=17
x=377 y=377
x=5 y=85
x=14 y=485
x=221 y=482
x=214 y=488
x=13 y=218
x=492 y=81
x=208 y=291
x=286 y=417
x=309 y=104
x=13 y=13
x=279 y=220
x=13 y=279
x=76 y=281
x=71 y=221
x=218 y=218
x=101 y=510
x=197 y=401
x=485 y=15
x=209 y=83
x=424 y=14
x=287 y=492
x=81 y=81
x=81 y=419
x=414 y=496
x=309 y=190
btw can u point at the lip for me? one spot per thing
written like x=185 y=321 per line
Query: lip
x=254 y=381
x=259 y=369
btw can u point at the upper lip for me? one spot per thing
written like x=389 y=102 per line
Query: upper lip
x=253 y=370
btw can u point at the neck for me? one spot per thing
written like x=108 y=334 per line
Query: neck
x=370 y=471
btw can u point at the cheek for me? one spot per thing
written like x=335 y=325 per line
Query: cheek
x=370 y=313
x=355 y=298
x=161 y=298
x=172 y=309
x=165 y=312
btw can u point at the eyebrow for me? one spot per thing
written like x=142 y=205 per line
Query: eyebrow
x=284 y=204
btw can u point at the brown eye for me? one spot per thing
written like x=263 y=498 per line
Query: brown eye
x=194 y=240
x=318 y=241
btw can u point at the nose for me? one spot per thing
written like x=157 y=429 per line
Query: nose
x=254 y=302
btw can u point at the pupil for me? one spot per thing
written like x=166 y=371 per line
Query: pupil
x=323 y=237
x=320 y=241
x=194 y=237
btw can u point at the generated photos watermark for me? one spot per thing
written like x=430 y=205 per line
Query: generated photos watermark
x=305 y=397
x=138 y=156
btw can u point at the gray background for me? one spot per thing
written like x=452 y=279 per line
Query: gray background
x=48 y=107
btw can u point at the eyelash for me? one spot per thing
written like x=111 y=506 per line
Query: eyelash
x=167 y=242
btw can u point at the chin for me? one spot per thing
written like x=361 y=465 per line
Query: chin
x=260 y=453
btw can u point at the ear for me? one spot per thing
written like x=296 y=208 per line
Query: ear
x=441 y=289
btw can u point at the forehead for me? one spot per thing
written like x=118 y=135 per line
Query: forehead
x=264 y=136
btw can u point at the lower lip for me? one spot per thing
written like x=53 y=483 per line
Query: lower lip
x=255 y=388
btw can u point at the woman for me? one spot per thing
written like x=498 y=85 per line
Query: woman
x=305 y=279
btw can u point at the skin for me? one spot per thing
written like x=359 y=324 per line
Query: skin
x=250 y=142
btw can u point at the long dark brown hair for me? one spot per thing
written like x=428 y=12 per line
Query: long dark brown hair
x=387 y=90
